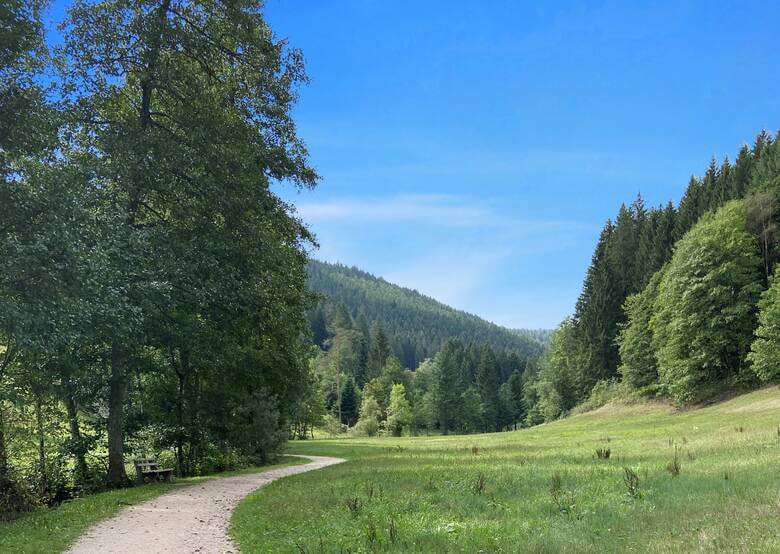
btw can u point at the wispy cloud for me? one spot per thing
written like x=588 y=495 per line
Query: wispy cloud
x=462 y=250
x=436 y=209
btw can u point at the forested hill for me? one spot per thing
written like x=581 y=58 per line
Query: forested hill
x=416 y=325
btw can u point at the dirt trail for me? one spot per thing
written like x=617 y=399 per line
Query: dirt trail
x=191 y=519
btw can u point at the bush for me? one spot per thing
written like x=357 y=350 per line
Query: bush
x=631 y=480
x=603 y=393
x=15 y=499
x=256 y=430
x=368 y=424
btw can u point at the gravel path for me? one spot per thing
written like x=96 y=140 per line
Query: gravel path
x=191 y=519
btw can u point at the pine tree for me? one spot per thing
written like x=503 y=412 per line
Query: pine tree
x=341 y=319
x=689 y=209
x=349 y=402
x=743 y=169
x=598 y=310
x=645 y=253
x=449 y=386
x=319 y=325
x=487 y=381
x=378 y=352
x=518 y=406
x=664 y=238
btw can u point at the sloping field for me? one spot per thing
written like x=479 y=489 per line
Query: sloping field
x=542 y=489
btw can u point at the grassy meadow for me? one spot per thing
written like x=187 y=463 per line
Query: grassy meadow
x=708 y=480
x=52 y=530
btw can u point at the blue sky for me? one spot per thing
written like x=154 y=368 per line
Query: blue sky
x=473 y=150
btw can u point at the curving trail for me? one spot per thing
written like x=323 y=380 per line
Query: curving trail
x=190 y=519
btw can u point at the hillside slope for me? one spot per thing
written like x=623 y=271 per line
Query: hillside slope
x=416 y=324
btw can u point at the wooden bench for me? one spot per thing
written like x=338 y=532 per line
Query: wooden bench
x=147 y=469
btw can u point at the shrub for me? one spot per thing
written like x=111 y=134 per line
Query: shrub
x=354 y=504
x=631 y=480
x=15 y=500
x=563 y=499
x=674 y=466
x=603 y=453
x=392 y=530
x=372 y=533
x=368 y=424
x=478 y=486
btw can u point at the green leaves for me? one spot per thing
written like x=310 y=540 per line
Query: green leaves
x=705 y=310
x=765 y=350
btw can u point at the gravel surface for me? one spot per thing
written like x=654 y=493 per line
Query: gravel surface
x=190 y=519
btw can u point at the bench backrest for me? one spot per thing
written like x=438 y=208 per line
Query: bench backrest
x=146 y=464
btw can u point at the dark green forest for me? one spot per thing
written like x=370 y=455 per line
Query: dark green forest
x=416 y=325
x=391 y=360
x=679 y=301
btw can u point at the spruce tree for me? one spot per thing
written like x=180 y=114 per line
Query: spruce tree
x=449 y=386
x=689 y=209
x=349 y=402
x=378 y=352
x=487 y=381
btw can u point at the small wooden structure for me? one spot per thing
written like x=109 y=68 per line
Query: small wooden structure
x=147 y=469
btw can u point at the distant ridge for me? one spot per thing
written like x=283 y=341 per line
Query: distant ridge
x=416 y=324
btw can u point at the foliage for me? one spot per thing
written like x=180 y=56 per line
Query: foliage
x=370 y=416
x=612 y=336
x=554 y=388
x=399 y=411
x=415 y=326
x=765 y=349
x=152 y=285
x=638 y=365
x=705 y=309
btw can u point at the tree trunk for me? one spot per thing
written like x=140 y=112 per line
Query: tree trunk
x=44 y=484
x=4 y=469
x=181 y=369
x=5 y=473
x=180 y=425
x=116 y=400
x=75 y=434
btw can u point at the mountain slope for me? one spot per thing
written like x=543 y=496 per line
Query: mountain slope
x=416 y=325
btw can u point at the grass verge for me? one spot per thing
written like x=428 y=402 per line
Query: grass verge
x=52 y=530
x=543 y=489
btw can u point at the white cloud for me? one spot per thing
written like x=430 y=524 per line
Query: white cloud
x=436 y=209
x=460 y=250
x=450 y=275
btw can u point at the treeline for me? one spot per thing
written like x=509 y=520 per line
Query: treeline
x=152 y=287
x=677 y=301
x=358 y=384
x=417 y=326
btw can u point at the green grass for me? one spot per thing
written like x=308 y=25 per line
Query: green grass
x=52 y=530
x=441 y=494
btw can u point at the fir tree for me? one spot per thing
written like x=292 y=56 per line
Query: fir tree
x=487 y=381
x=378 y=352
